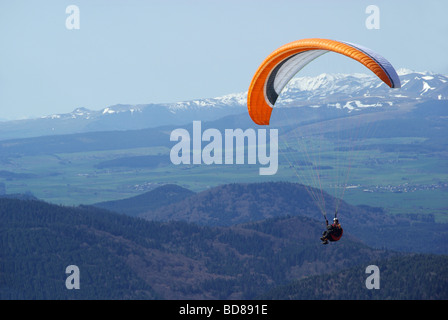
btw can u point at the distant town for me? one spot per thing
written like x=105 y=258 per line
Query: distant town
x=401 y=188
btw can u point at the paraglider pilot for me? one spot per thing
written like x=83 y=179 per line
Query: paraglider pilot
x=333 y=232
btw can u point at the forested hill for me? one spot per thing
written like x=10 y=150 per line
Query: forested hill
x=237 y=203
x=151 y=200
x=415 y=277
x=122 y=257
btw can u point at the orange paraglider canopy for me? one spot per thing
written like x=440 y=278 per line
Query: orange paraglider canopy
x=282 y=64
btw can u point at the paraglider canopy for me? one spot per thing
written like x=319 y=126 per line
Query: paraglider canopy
x=282 y=64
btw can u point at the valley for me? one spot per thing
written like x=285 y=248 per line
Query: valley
x=396 y=168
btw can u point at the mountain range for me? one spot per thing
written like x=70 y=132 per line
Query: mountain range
x=357 y=91
x=341 y=91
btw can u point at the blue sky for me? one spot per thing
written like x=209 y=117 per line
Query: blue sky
x=139 y=52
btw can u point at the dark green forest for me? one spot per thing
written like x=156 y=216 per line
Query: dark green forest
x=122 y=257
x=414 y=277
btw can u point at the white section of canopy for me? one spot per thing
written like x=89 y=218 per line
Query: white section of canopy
x=291 y=67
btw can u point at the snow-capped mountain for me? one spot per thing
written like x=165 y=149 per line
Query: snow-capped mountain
x=350 y=91
x=339 y=89
x=228 y=101
x=362 y=90
x=221 y=106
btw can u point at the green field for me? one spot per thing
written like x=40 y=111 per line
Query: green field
x=400 y=182
x=408 y=182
